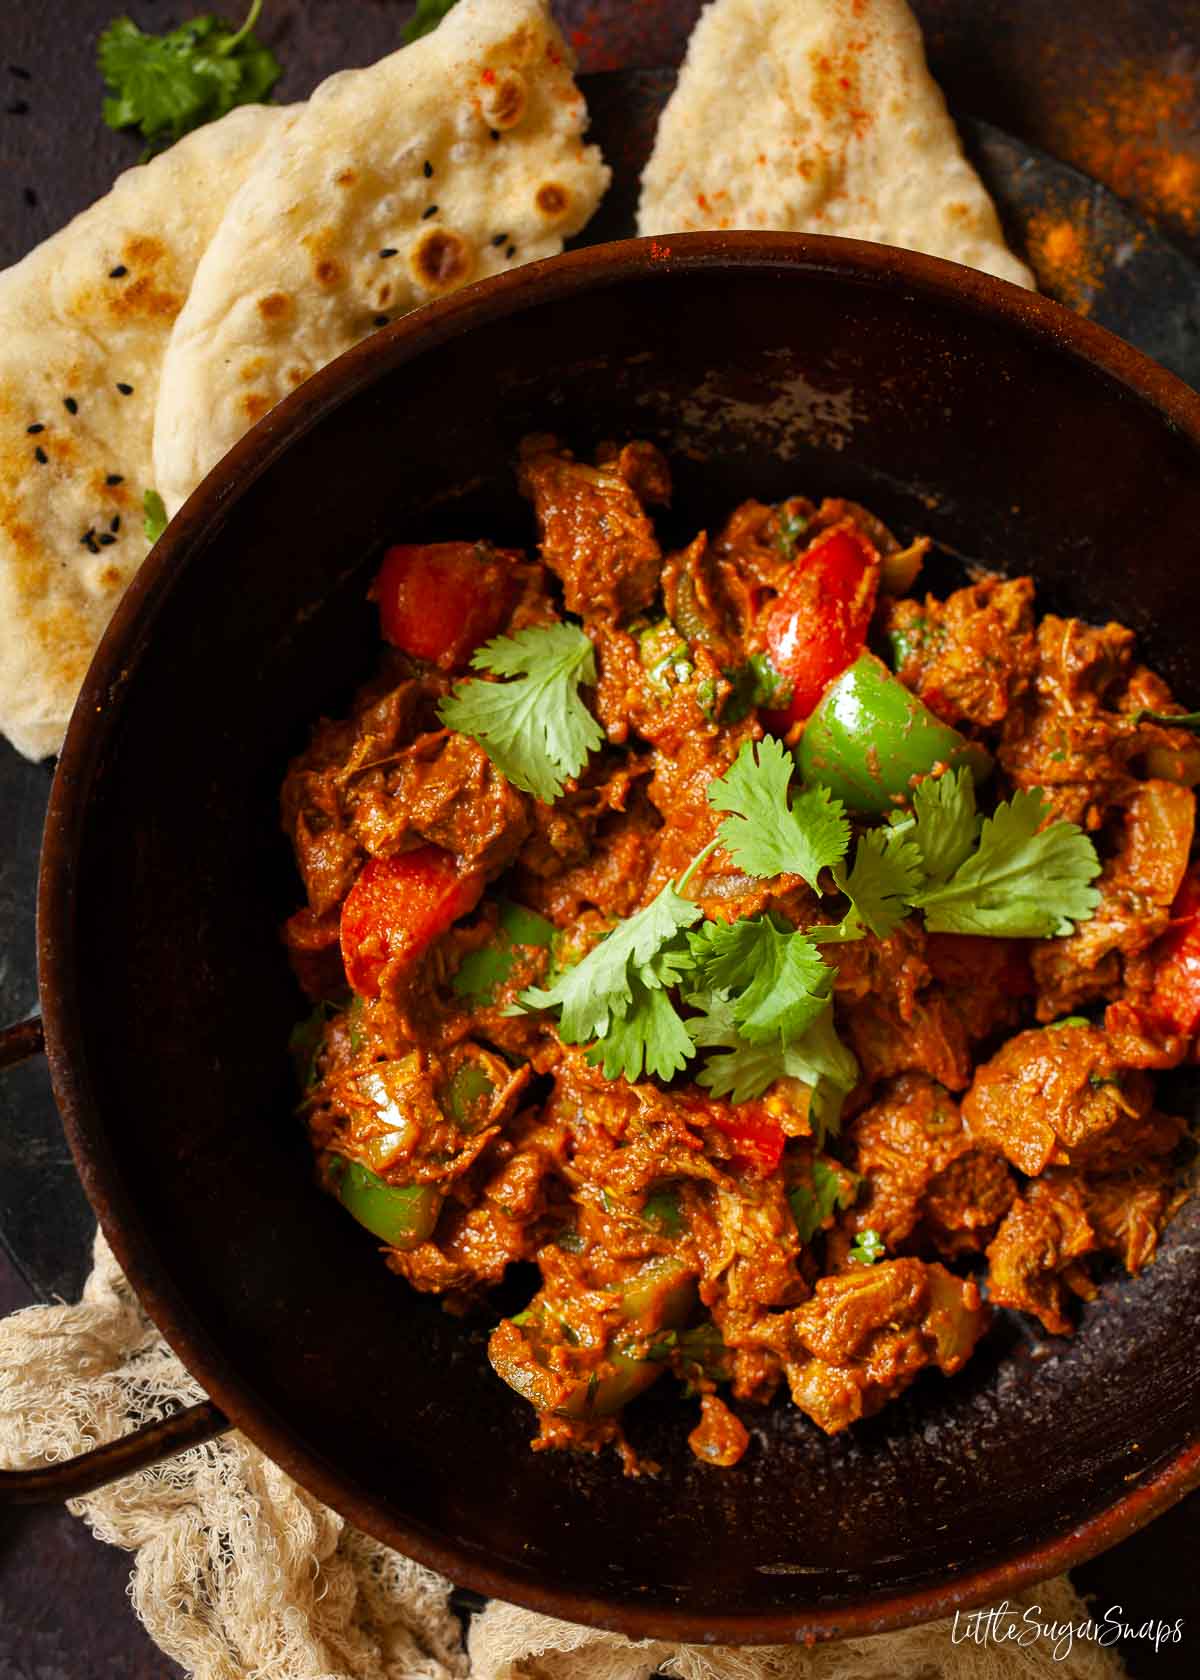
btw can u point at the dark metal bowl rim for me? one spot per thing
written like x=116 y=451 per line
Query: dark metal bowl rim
x=97 y=714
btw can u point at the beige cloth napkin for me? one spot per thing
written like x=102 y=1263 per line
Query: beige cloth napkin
x=239 y=1574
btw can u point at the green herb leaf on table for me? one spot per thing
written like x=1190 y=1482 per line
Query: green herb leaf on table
x=1023 y=880
x=425 y=19
x=768 y=833
x=775 y=976
x=155 y=515
x=535 y=728
x=866 y=1249
x=813 y=1204
x=166 y=85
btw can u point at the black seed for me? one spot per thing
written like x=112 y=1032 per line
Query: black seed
x=511 y=252
x=89 y=536
x=382 y=320
x=106 y=540
x=125 y=390
x=428 y=169
x=499 y=239
x=495 y=133
x=18 y=108
x=21 y=74
x=118 y=273
x=71 y=406
x=432 y=211
x=35 y=428
x=114 y=478
x=388 y=251
x=30 y=197
x=114 y=523
x=40 y=454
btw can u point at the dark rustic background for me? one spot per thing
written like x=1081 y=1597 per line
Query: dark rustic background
x=1111 y=87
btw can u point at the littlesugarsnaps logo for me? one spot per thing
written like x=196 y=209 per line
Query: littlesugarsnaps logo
x=1004 y=1625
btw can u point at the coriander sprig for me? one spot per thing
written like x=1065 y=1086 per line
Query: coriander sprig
x=759 y=988
x=535 y=729
x=166 y=85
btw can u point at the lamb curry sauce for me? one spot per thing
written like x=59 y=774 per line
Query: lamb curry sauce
x=760 y=1129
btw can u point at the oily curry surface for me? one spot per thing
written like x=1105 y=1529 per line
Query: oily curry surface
x=789 y=1007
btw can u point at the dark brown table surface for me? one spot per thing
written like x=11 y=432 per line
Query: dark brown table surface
x=1111 y=86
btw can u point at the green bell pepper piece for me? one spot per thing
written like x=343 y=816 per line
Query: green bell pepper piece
x=870 y=738
x=402 y=1215
x=665 y=656
x=483 y=972
x=661 y=1296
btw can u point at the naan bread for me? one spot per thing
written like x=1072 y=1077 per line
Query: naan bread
x=818 y=116
x=450 y=160
x=84 y=324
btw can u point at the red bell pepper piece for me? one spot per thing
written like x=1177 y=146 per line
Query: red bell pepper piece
x=752 y=1129
x=440 y=601
x=396 y=909
x=1176 y=995
x=817 y=626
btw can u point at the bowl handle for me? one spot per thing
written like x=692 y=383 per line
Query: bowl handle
x=68 y=1479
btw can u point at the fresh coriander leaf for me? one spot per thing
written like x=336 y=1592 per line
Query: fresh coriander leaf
x=818 y=1059
x=887 y=871
x=643 y=947
x=165 y=85
x=1023 y=881
x=155 y=515
x=428 y=15
x=776 y=978
x=535 y=729
x=946 y=823
x=646 y=1032
x=813 y=1204
x=866 y=1249
x=767 y=834
x=483 y=972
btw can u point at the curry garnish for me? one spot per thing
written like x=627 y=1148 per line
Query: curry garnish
x=784 y=1012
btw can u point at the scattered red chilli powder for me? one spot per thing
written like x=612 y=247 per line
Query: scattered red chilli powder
x=1067 y=263
x=1138 y=131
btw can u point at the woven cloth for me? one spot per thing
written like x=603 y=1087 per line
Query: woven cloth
x=239 y=1574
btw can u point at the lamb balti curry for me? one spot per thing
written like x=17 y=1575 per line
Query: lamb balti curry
x=778 y=960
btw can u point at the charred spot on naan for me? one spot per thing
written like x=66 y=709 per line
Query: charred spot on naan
x=552 y=200
x=255 y=404
x=504 y=98
x=276 y=308
x=441 y=260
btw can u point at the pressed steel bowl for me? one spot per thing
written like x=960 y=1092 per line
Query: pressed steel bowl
x=1013 y=432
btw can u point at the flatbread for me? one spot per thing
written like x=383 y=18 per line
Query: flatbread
x=818 y=116
x=452 y=159
x=84 y=324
